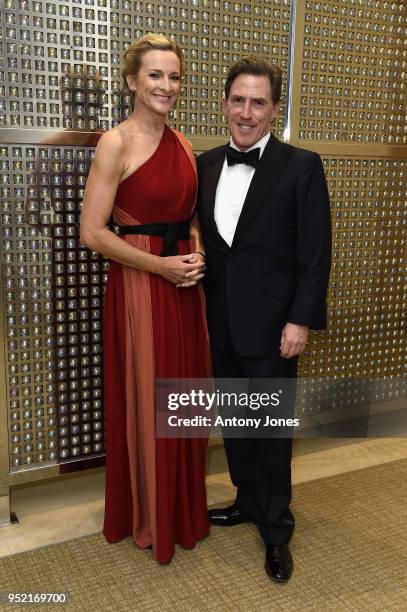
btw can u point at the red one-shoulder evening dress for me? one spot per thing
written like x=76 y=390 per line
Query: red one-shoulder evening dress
x=155 y=488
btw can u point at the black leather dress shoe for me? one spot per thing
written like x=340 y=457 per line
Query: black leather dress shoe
x=228 y=516
x=279 y=562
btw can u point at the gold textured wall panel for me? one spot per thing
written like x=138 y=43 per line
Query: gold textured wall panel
x=366 y=335
x=53 y=293
x=353 y=72
x=62 y=59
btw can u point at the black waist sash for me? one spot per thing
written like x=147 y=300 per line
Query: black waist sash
x=171 y=232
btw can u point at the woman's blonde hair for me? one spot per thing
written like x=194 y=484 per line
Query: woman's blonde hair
x=133 y=55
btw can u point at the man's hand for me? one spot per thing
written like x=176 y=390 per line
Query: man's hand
x=293 y=340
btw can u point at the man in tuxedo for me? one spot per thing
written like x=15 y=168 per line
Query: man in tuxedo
x=265 y=218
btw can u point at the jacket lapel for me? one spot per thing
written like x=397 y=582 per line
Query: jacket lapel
x=210 y=178
x=267 y=172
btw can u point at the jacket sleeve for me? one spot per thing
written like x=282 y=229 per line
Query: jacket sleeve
x=314 y=244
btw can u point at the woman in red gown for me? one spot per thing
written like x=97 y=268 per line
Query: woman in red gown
x=154 y=325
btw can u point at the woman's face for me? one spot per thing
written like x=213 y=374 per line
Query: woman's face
x=158 y=82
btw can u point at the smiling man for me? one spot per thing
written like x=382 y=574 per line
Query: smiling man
x=265 y=219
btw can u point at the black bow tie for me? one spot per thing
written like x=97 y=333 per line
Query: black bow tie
x=233 y=156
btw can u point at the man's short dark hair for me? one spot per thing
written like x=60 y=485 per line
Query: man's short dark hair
x=252 y=64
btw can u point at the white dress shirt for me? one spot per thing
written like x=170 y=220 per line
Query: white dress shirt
x=233 y=185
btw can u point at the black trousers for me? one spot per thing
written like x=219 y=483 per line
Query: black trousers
x=260 y=467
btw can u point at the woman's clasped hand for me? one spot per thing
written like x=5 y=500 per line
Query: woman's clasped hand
x=182 y=270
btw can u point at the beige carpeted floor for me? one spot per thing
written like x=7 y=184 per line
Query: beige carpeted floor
x=349 y=547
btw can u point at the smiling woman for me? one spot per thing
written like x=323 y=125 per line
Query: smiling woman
x=141 y=59
x=154 y=323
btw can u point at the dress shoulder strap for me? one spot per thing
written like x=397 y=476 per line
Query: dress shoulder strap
x=186 y=145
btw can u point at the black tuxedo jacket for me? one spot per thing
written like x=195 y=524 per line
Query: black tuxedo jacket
x=277 y=269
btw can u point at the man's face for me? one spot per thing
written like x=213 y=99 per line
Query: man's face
x=249 y=109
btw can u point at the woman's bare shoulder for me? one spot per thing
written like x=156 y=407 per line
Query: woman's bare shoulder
x=110 y=155
x=112 y=140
